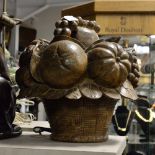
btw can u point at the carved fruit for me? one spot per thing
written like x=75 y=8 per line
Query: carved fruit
x=24 y=59
x=108 y=64
x=35 y=58
x=83 y=30
x=24 y=78
x=134 y=74
x=87 y=32
x=63 y=63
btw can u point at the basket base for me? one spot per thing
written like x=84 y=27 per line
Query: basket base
x=84 y=120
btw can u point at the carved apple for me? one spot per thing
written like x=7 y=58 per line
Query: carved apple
x=63 y=63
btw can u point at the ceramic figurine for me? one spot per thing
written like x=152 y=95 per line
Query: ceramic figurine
x=7 y=95
x=7 y=104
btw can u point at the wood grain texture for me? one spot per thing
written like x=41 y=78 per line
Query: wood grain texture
x=118 y=16
x=124 y=6
x=84 y=10
x=126 y=23
x=111 y=6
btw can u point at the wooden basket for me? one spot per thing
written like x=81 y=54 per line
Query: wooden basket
x=83 y=120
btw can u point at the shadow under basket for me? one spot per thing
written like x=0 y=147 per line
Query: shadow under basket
x=83 y=120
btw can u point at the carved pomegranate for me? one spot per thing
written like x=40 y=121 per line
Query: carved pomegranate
x=108 y=64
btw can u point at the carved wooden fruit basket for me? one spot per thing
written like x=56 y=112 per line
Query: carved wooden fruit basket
x=79 y=77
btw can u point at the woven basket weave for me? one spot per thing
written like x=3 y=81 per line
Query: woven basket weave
x=83 y=120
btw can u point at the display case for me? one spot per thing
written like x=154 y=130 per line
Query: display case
x=131 y=24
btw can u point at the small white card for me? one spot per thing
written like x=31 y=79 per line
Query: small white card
x=70 y=18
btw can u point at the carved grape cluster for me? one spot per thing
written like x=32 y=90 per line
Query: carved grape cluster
x=70 y=27
x=89 y=24
x=64 y=27
x=134 y=75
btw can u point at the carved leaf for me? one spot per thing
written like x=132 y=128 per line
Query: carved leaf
x=128 y=91
x=90 y=90
x=75 y=94
x=42 y=91
x=112 y=93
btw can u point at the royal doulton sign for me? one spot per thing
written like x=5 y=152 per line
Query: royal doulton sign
x=121 y=17
x=126 y=24
x=123 y=27
x=123 y=30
